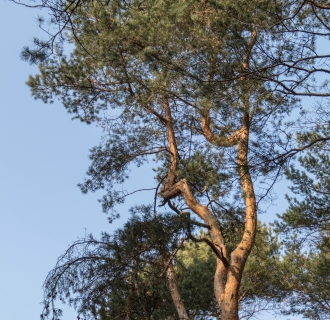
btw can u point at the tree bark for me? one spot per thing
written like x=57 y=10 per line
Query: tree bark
x=175 y=294
x=229 y=270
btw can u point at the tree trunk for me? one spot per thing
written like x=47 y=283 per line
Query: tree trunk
x=228 y=297
x=178 y=303
x=229 y=270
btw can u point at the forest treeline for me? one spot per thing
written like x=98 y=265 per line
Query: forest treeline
x=210 y=95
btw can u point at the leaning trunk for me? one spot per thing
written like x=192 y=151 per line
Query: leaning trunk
x=175 y=294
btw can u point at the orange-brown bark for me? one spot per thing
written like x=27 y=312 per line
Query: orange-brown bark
x=228 y=300
x=217 y=140
x=229 y=269
x=171 y=177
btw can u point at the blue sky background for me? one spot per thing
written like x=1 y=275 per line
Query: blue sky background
x=43 y=155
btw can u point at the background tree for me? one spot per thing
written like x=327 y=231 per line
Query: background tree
x=120 y=276
x=124 y=275
x=306 y=226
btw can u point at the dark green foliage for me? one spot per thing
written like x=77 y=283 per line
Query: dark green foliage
x=125 y=272
x=119 y=273
x=195 y=265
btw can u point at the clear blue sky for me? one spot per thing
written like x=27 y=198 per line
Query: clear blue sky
x=43 y=156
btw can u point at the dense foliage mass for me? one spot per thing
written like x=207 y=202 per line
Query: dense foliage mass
x=209 y=92
x=124 y=274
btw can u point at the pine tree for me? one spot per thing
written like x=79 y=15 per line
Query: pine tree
x=204 y=87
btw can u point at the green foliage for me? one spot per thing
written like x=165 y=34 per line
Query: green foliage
x=125 y=272
x=306 y=225
x=226 y=62
x=264 y=281
x=195 y=265
x=128 y=56
x=307 y=282
x=119 y=274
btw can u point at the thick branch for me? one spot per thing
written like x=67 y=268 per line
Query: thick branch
x=171 y=176
x=182 y=187
x=192 y=221
x=243 y=249
x=217 y=140
x=158 y=115
x=319 y=5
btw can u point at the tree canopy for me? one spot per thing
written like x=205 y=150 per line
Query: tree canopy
x=207 y=90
